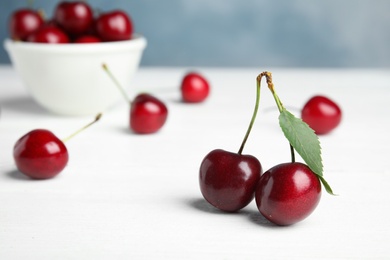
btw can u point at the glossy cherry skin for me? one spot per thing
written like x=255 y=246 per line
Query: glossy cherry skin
x=49 y=34
x=114 y=26
x=147 y=114
x=87 y=39
x=39 y=154
x=194 y=88
x=321 y=114
x=24 y=22
x=228 y=180
x=288 y=193
x=74 y=18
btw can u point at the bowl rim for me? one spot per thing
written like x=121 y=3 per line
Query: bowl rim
x=136 y=42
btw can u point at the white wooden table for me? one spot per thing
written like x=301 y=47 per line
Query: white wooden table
x=126 y=196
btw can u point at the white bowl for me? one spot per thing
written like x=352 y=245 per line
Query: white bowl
x=68 y=79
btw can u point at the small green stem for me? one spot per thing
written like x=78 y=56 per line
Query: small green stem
x=253 y=116
x=292 y=154
x=279 y=104
x=117 y=84
x=97 y=118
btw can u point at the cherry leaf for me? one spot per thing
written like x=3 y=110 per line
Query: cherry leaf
x=326 y=185
x=303 y=139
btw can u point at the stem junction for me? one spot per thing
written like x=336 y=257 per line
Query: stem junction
x=279 y=104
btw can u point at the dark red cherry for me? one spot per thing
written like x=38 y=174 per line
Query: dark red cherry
x=321 y=114
x=39 y=154
x=114 y=26
x=228 y=180
x=147 y=114
x=288 y=193
x=24 y=22
x=87 y=39
x=75 y=18
x=48 y=34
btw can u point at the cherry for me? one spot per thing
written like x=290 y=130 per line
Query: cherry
x=39 y=154
x=87 y=39
x=147 y=113
x=24 y=22
x=288 y=193
x=75 y=18
x=114 y=26
x=194 y=88
x=48 y=34
x=321 y=114
x=228 y=180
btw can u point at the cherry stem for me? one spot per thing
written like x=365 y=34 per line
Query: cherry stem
x=253 y=117
x=97 y=118
x=292 y=153
x=279 y=104
x=119 y=86
x=42 y=14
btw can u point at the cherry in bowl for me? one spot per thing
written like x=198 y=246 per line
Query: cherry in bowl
x=49 y=34
x=24 y=22
x=114 y=26
x=75 y=18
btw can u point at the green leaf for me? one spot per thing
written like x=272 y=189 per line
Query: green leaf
x=303 y=140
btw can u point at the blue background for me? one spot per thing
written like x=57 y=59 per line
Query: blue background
x=284 y=33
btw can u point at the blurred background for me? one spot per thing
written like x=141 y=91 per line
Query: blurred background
x=248 y=33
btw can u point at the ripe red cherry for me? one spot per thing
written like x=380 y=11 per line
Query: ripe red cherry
x=288 y=193
x=194 y=88
x=39 y=154
x=228 y=180
x=321 y=114
x=147 y=114
x=114 y=26
x=75 y=18
x=87 y=39
x=49 y=34
x=24 y=22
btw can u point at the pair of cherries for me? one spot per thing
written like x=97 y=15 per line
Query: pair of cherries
x=285 y=194
x=40 y=154
x=72 y=22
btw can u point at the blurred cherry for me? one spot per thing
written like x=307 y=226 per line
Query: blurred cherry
x=49 y=34
x=24 y=22
x=114 y=26
x=75 y=18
